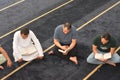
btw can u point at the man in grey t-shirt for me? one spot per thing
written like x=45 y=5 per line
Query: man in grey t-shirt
x=65 y=39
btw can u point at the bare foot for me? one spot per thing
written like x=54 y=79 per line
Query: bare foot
x=110 y=63
x=74 y=59
x=1 y=67
x=114 y=64
x=40 y=57
x=51 y=52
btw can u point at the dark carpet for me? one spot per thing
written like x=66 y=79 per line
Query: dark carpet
x=54 y=68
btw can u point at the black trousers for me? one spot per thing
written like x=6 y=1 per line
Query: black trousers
x=73 y=52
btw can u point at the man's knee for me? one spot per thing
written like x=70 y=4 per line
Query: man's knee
x=89 y=60
x=93 y=61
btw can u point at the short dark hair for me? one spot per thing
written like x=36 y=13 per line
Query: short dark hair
x=25 y=31
x=68 y=25
x=106 y=36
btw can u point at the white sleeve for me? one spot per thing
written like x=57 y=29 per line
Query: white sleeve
x=37 y=43
x=15 y=46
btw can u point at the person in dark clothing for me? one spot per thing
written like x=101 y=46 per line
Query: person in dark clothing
x=102 y=45
x=65 y=40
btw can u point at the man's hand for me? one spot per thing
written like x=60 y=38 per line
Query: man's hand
x=9 y=63
x=20 y=60
x=66 y=51
x=102 y=59
x=64 y=47
x=1 y=67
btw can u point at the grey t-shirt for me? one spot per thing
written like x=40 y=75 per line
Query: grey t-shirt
x=65 y=38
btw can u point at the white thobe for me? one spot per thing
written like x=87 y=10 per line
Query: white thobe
x=18 y=41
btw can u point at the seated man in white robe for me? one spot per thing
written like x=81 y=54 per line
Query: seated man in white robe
x=26 y=46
